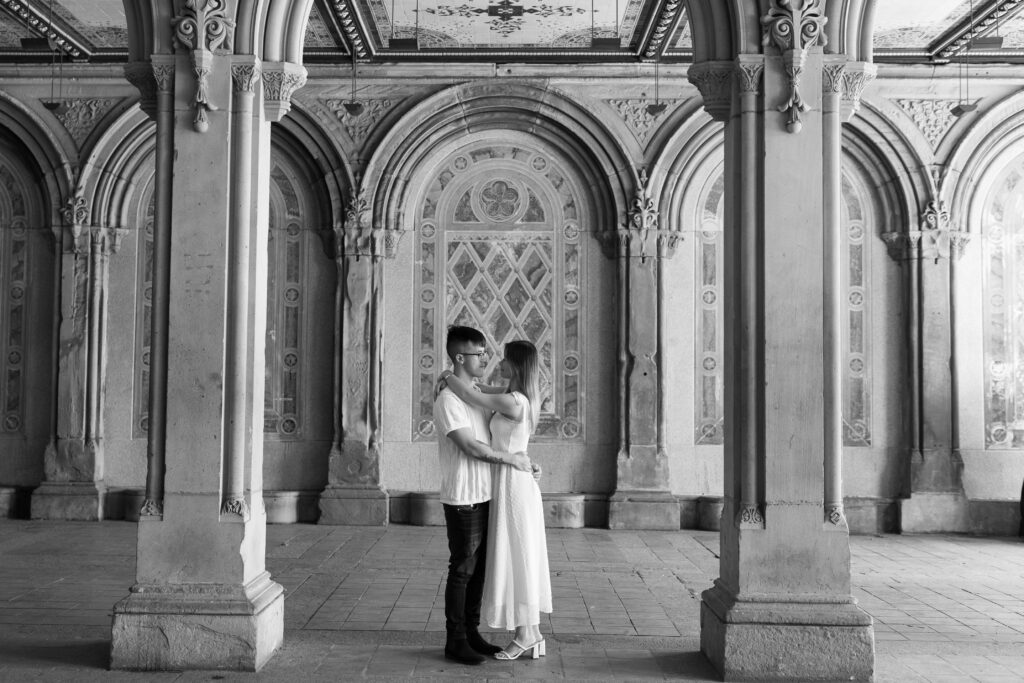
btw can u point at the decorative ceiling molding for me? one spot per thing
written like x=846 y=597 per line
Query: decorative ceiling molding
x=668 y=17
x=37 y=21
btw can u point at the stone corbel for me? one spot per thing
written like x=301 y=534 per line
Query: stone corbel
x=141 y=75
x=358 y=238
x=793 y=28
x=280 y=81
x=714 y=81
x=75 y=213
x=936 y=230
x=902 y=246
x=108 y=239
x=203 y=27
x=856 y=76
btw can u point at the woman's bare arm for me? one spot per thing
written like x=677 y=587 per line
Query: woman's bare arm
x=500 y=403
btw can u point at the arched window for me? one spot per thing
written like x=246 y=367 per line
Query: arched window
x=1002 y=228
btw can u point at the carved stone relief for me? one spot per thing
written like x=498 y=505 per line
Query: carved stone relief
x=515 y=272
x=359 y=127
x=639 y=119
x=792 y=29
x=81 y=115
x=933 y=118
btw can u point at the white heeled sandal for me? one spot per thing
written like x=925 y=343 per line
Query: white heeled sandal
x=515 y=649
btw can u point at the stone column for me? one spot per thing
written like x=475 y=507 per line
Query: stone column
x=73 y=462
x=354 y=493
x=202 y=597
x=936 y=499
x=782 y=607
x=643 y=498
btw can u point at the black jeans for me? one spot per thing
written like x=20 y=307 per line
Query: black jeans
x=467 y=543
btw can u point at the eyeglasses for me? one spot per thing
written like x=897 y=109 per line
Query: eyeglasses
x=477 y=353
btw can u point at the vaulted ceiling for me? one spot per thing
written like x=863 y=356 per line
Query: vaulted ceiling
x=907 y=31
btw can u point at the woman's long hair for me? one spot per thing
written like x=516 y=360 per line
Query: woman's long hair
x=521 y=356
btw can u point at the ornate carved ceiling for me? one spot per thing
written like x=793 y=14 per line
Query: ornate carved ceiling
x=915 y=31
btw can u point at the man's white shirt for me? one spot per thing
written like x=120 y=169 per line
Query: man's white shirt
x=464 y=480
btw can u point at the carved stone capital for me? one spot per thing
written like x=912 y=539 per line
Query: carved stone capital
x=163 y=74
x=832 y=78
x=142 y=76
x=714 y=81
x=280 y=81
x=856 y=76
x=792 y=29
x=958 y=240
x=748 y=74
x=245 y=77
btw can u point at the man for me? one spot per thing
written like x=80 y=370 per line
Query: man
x=466 y=459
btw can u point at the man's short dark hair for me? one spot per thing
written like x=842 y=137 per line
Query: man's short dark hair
x=458 y=335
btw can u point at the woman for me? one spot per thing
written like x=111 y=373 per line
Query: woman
x=517 y=587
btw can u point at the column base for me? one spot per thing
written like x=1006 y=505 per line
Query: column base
x=198 y=626
x=354 y=506
x=643 y=510
x=927 y=512
x=786 y=641
x=76 y=501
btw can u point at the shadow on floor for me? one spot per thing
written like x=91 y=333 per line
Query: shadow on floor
x=94 y=654
x=687 y=666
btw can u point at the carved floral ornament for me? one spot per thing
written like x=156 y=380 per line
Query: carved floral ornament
x=357 y=237
x=937 y=238
x=793 y=26
x=203 y=27
x=641 y=237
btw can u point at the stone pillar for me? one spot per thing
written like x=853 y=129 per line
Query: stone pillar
x=936 y=499
x=643 y=498
x=202 y=597
x=782 y=608
x=73 y=461
x=354 y=493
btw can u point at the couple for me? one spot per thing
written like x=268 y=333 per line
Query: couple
x=492 y=504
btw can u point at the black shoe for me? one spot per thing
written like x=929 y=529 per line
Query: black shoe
x=460 y=651
x=477 y=642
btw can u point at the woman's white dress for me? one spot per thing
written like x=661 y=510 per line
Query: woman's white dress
x=517 y=586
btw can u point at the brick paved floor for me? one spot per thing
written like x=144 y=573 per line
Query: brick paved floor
x=368 y=604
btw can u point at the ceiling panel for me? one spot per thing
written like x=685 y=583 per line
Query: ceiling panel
x=918 y=31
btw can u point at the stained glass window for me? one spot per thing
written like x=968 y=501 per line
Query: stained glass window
x=1003 y=254
x=498 y=245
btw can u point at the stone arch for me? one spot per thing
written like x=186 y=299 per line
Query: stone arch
x=895 y=164
x=990 y=142
x=48 y=157
x=30 y=185
x=511 y=105
x=119 y=166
